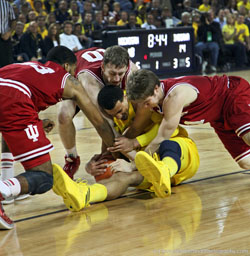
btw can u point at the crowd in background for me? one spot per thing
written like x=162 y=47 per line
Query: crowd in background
x=221 y=27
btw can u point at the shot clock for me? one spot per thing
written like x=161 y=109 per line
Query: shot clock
x=164 y=51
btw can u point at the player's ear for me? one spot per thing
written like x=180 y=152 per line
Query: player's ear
x=66 y=66
x=157 y=88
x=102 y=67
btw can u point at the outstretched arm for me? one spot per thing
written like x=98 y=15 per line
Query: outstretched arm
x=74 y=90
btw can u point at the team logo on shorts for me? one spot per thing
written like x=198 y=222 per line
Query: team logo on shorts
x=32 y=132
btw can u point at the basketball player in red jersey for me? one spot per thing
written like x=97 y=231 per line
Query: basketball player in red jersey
x=26 y=89
x=223 y=101
x=96 y=68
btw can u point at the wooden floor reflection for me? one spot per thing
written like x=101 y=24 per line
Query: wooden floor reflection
x=209 y=215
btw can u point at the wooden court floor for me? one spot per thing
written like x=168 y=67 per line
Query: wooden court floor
x=208 y=215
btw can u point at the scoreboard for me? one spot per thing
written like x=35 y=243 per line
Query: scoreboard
x=164 y=51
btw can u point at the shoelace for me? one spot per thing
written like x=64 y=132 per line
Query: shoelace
x=156 y=157
x=80 y=180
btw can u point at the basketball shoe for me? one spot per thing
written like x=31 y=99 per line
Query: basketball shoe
x=71 y=165
x=5 y=221
x=11 y=200
x=76 y=195
x=155 y=171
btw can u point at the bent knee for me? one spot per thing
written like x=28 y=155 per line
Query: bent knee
x=65 y=117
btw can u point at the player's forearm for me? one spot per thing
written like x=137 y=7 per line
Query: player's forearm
x=155 y=144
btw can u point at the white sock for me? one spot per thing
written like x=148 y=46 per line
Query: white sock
x=10 y=187
x=7 y=166
x=72 y=152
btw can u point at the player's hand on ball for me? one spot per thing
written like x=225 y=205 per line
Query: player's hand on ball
x=121 y=165
x=95 y=168
x=48 y=125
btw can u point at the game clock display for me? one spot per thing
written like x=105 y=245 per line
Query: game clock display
x=164 y=51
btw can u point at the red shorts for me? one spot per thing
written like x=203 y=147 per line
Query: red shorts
x=236 y=122
x=22 y=129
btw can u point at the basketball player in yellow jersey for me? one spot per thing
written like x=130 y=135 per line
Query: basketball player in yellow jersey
x=178 y=158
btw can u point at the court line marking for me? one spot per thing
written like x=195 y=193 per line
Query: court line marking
x=136 y=194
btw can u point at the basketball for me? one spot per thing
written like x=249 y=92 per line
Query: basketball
x=107 y=174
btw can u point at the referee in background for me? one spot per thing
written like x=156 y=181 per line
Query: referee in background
x=7 y=26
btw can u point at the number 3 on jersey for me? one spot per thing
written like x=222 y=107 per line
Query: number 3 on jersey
x=40 y=69
x=92 y=56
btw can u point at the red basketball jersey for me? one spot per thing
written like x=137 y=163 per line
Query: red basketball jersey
x=44 y=84
x=211 y=92
x=90 y=60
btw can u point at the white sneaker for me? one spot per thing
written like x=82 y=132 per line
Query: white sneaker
x=22 y=197
x=213 y=68
x=204 y=66
x=12 y=199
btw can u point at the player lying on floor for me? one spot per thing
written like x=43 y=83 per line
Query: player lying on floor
x=179 y=159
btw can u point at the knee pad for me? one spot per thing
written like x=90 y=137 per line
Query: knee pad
x=169 y=148
x=39 y=182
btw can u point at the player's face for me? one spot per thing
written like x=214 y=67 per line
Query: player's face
x=113 y=75
x=121 y=110
x=154 y=100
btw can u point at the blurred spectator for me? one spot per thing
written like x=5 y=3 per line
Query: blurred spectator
x=106 y=12
x=88 y=8
x=52 y=39
x=185 y=20
x=68 y=39
x=195 y=23
x=132 y=22
x=7 y=26
x=168 y=18
x=18 y=54
x=73 y=8
x=204 y=7
x=124 y=19
x=159 y=23
x=141 y=17
x=78 y=31
x=232 y=5
x=209 y=39
x=19 y=4
x=242 y=34
x=126 y=5
x=116 y=11
x=221 y=19
x=25 y=8
x=32 y=43
x=42 y=30
x=235 y=48
x=51 y=18
x=31 y=17
x=149 y=24
x=51 y=5
x=99 y=23
x=88 y=28
x=38 y=8
x=247 y=20
x=15 y=9
x=155 y=8
x=244 y=3
x=243 y=10
x=76 y=17
x=62 y=13
x=185 y=7
x=22 y=18
x=217 y=5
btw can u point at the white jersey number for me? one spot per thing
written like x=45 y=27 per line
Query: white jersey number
x=40 y=69
x=92 y=56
